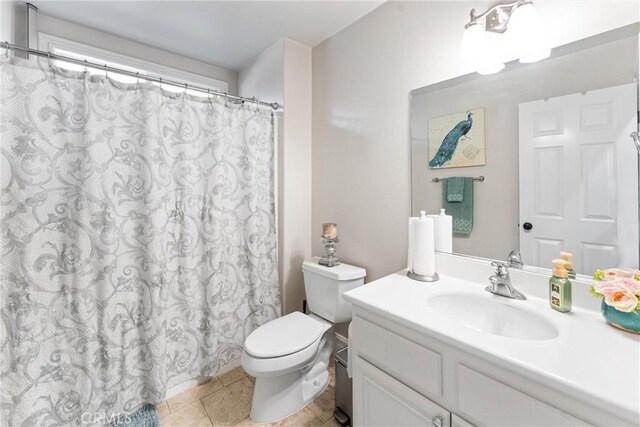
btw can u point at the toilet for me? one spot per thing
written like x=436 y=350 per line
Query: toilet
x=289 y=356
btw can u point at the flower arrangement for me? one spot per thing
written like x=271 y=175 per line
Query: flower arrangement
x=620 y=290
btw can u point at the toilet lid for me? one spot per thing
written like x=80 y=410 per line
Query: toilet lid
x=283 y=336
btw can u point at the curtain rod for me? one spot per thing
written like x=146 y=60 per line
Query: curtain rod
x=106 y=68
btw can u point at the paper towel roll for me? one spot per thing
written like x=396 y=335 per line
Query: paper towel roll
x=443 y=231
x=422 y=258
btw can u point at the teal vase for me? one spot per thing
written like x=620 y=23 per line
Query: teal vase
x=629 y=322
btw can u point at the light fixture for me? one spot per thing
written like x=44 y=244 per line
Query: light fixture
x=524 y=31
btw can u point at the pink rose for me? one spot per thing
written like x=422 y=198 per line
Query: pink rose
x=632 y=284
x=613 y=273
x=622 y=300
x=606 y=288
x=612 y=286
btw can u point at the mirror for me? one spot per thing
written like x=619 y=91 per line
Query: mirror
x=551 y=141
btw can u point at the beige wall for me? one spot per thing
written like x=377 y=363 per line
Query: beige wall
x=295 y=177
x=362 y=77
x=7 y=21
x=282 y=73
x=13 y=23
x=102 y=40
x=264 y=77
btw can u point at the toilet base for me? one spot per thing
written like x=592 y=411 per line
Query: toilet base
x=275 y=398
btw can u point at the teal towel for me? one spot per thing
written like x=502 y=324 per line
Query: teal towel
x=461 y=211
x=455 y=189
x=146 y=416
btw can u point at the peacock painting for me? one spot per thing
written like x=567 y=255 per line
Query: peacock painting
x=457 y=140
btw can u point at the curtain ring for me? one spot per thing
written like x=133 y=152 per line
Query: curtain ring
x=226 y=99
x=160 y=83
x=185 y=88
x=209 y=98
x=85 y=65
x=6 y=48
x=137 y=79
x=49 y=59
x=106 y=72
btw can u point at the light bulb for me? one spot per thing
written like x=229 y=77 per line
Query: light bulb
x=535 y=57
x=491 y=69
x=473 y=45
x=526 y=30
x=476 y=53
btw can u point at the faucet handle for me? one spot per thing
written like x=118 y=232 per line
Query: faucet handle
x=501 y=268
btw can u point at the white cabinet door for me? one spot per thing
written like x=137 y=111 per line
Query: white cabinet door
x=578 y=179
x=456 y=421
x=381 y=400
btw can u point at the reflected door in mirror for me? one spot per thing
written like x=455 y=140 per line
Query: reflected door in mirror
x=576 y=160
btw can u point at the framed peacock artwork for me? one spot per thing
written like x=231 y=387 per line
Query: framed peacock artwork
x=457 y=140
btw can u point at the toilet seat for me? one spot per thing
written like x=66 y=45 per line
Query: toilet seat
x=275 y=366
x=283 y=336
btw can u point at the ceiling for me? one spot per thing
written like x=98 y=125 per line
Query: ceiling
x=224 y=33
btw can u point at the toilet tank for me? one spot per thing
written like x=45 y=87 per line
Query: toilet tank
x=325 y=287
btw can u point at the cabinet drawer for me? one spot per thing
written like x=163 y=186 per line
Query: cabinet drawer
x=411 y=363
x=381 y=400
x=493 y=403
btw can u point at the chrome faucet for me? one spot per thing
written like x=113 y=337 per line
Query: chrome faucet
x=501 y=282
x=514 y=260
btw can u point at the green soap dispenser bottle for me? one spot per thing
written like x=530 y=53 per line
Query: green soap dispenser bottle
x=560 y=287
x=569 y=266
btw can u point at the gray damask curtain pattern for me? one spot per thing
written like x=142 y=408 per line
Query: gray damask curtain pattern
x=137 y=240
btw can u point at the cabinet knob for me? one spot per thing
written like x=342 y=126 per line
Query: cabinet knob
x=437 y=421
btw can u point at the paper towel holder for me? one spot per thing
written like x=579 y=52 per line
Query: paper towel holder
x=422 y=277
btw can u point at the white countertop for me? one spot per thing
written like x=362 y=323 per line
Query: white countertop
x=594 y=362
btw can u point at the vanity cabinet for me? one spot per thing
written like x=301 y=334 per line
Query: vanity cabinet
x=403 y=378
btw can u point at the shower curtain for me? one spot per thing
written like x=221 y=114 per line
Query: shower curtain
x=137 y=240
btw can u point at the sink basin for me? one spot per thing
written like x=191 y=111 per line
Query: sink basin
x=485 y=314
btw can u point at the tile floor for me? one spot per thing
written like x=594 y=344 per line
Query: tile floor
x=226 y=401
